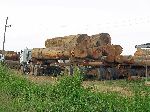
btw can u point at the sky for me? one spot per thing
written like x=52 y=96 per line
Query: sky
x=34 y=21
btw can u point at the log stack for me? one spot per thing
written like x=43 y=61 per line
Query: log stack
x=100 y=39
x=142 y=56
x=128 y=59
x=10 y=55
x=142 y=52
x=79 y=46
x=80 y=39
x=111 y=52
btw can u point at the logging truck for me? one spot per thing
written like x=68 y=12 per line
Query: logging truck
x=94 y=55
x=10 y=59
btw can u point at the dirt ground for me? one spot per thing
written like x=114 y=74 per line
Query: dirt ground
x=103 y=86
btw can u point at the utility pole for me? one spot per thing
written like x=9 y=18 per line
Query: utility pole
x=3 y=52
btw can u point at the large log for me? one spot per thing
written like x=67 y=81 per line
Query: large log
x=80 y=51
x=100 y=39
x=61 y=53
x=142 y=57
x=80 y=39
x=10 y=55
x=91 y=53
x=50 y=53
x=113 y=50
x=66 y=41
x=110 y=51
x=127 y=59
x=142 y=52
x=142 y=62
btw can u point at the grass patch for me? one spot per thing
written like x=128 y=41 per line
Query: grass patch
x=68 y=95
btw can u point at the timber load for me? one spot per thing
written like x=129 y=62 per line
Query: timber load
x=74 y=40
x=50 y=53
x=79 y=46
x=142 y=52
x=107 y=51
x=126 y=59
x=66 y=41
x=11 y=55
x=142 y=56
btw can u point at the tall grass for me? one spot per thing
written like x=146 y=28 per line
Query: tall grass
x=66 y=96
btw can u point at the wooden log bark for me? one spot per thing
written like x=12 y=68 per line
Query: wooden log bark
x=80 y=39
x=142 y=52
x=50 y=53
x=128 y=59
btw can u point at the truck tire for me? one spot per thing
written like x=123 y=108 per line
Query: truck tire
x=101 y=75
x=114 y=73
x=36 y=70
x=109 y=72
x=22 y=69
x=56 y=71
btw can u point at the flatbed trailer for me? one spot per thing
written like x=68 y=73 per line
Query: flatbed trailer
x=97 y=69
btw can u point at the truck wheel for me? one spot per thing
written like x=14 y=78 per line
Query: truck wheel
x=56 y=71
x=22 y=69
x=108 y=74
x=36 y=70
x=101 y=75
x=114 y=74
x=32 y=69
x=133 y=72
x=98 y=74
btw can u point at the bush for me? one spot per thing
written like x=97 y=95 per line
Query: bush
x=67 y=95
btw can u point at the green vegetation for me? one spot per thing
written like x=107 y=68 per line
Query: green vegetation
x=17 y=94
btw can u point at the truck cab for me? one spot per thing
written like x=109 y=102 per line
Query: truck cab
x=25 y=58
